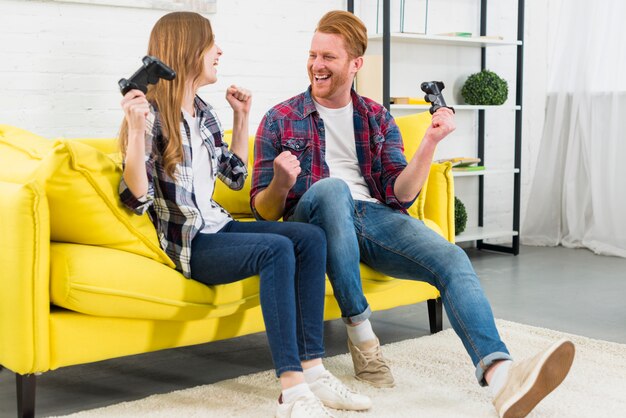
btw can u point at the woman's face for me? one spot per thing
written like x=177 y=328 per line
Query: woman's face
x=209 y=71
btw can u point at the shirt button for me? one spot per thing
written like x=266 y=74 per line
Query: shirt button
x=297 y=146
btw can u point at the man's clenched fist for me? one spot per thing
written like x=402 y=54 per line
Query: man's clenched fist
x=286 y=170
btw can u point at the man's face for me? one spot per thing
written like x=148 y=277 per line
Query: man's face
x=331 y=70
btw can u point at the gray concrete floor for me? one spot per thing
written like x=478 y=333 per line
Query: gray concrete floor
x=563 y=289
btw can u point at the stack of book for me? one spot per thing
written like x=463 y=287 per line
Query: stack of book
x=463 y=163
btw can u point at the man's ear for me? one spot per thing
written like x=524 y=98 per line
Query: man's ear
x=358 y=63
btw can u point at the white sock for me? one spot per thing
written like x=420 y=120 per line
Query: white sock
x=498 y=379
x=361 y=333
x=312 y=373
x=294 y=392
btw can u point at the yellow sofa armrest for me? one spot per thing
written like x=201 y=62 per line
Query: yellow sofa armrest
x=437 y=200
x=24 y=277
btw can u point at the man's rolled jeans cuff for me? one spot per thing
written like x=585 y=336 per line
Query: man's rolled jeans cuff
x=358 y=318
x=486 y=362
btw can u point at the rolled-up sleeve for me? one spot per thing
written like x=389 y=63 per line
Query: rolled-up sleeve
x=232 y=171
x=140 y=205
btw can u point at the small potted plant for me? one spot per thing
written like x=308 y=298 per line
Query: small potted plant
x=485 y=88
x=460 y=216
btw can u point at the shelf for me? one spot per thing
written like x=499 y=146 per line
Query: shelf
x=455 y=106
x=445 y=40
x=481 y=232
x=398 y=47
x=484 y=172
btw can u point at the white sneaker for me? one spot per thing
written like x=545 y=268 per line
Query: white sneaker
x=334 y=394
x=306 y=406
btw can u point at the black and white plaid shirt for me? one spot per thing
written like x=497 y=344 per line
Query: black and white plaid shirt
x=170 y=202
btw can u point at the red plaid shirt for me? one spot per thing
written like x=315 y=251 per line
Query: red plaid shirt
x=295 y=125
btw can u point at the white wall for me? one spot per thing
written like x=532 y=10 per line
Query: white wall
x=60 y=62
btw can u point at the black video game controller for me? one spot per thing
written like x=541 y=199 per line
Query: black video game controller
x=150 y=72
x=434 y=96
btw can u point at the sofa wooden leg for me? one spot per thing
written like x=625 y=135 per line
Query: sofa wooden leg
x=435 y=315
x=25 y=385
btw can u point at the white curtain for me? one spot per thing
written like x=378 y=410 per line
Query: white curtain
x=578 y=193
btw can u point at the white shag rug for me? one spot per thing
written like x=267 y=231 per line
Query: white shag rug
x=434 y=378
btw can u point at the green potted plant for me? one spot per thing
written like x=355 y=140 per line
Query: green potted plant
x=460 y=216
x=485 y=88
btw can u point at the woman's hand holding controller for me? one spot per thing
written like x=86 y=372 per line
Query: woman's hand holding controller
x=136 y=109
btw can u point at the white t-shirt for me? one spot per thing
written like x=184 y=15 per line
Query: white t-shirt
x=341 y=155
x=203 y=181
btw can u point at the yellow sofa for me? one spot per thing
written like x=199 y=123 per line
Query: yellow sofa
x=83 y=279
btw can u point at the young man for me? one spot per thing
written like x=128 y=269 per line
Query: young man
x=333 y=158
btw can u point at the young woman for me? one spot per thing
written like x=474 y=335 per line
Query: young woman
x=173 y=149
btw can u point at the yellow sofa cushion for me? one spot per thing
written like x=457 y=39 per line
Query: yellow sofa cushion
x=81 y=186
x=106 y=282
x=236 y=202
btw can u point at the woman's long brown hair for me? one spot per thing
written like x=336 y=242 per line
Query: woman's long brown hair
x=180 y=40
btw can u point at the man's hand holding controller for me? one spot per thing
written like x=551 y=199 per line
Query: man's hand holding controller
x=443 y=115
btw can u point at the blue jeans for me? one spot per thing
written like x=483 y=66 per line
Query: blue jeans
x=290 y=260
x=400 y=246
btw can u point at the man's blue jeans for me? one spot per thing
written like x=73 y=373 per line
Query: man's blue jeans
x=290 y=260
x=399 y=246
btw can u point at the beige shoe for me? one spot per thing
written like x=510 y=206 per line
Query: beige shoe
x=369 y=364
x=531 y=380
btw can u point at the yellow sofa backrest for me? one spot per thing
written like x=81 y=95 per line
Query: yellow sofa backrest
x=81 y=212
x=413 y=127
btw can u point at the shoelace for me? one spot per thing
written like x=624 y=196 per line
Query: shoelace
x=315 y=407
x=376 y=354
x=337 y=386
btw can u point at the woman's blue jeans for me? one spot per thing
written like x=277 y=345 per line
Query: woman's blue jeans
x=403 y=247
x=290 y=260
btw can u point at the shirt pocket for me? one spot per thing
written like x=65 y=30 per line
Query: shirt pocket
x=376 y=144
x=301 y=148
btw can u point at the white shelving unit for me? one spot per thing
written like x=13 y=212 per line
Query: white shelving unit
x=481 y=44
